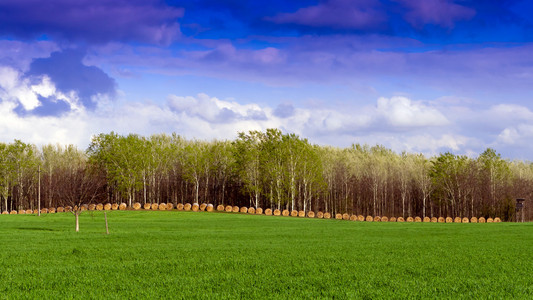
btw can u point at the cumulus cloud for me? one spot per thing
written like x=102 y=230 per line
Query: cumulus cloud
x=402 y=112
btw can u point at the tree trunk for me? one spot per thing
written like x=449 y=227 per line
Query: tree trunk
x=76 y=214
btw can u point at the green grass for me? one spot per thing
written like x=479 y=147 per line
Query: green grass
x=152 y=254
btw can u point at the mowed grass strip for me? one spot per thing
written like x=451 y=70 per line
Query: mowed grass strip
x=169 y=254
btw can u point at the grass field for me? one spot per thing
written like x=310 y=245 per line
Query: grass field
x=153 y=254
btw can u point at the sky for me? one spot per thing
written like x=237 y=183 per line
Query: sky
x=423 y=76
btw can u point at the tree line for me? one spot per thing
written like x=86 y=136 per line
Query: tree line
x=267 y=169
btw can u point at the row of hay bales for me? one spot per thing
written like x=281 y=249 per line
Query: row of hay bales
x=52 y=210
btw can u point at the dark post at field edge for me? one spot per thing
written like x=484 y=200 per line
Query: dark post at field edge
x=519 y=211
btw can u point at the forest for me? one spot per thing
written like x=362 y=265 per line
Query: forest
x=267 y=169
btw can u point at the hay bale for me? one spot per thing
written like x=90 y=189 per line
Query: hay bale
x=147 y=206
x=320 y=215
x=327 y=215
x=136 y=205
x=426 y=220
x=277 y=212
x=384 y=219
x=68 y=208
x=13 y=212
x=84 y=207
x=360 y=218
x=251 y=211
x=114 y=206
x=434 y=220
x=497 y=220
x=294 y=213
x=187 y=207
x=29 y=211
x=353 y=218
x=154 y=206
x=418 y=219
x=220 y=207
x=203 y=206
x=52 y=210
x=259 y=211
x=268 y=212
x=162 y=206
x=410 y=219
x=392 y=219
x=99 y=206
x=441 y=220
x=481 y=220
x=5 y=212
x=285 y=213
x=45 y=210
x=244 y=209
x=338 y=216
x=180 y=206
x=345 y=216
x=473 y=220
x=457 y=220
x=108 y=206
x=236 y=209
x=465 y=220
x=60 y=209
x=21 y=212
x=401 y=220
x=449 y=220
x=301 y=214
x=310 y=214
x=377 y=219
x=369 y=219
x=210 y=208
x=123 y=206
x=92 y=206
x=228 y=208
x=490 y=220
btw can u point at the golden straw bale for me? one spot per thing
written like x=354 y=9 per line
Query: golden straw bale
x=180 y=206
x=21 y=212
x=369 y=219
x=147 y=206
x=434 y=220
x=251 y=211
x=29 y=211
x=473 y=220
x=465 y=220
x=377 y=219
x=108 y=206
x=345 y=216
x=481 y=220
x=410 y=219
x=123 y=206
x=162 y=206
x=441 y=220
x=384 y=219
x=5 y=212
x=236 y=209
x=360 y=218
x=244 y=209
x=203 y=206
x=327 y=215
x=114 y=206
x=13 y=212
x=84 y=207
x=259 y=211
x=154 y=206
x=497 y=220
x=187 y=206
x=392 y=219
x=285 y=213
x=136 y=205
x=220 y=207
x=490 y=220
x=277 y=212
x=338 y=216
x=353 y=218
x=170 y=206
x=99 y=206
x=60 y=209
x=92 y=206
x=294 y=213
x=320 y=215
x=45 y=210
x=210 y=208
x=301 y=214
x=52 y=210
x=268 y=212
x=449 y=220
x=68 y=208
x=427 y=220
x=418 y=219
x=400 y=219
x=457 y=220
x=310 y=214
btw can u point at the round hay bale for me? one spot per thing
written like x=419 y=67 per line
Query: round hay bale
x=481 y=220
x=123 y=206
x=360 y=218
x=108 y=206
x=441 y=220
x=45 y=210
x=210 y=208
x=377 y=219
x=147 y=206
x=310 y=214
x=327 y=215
x=497 y=220
x=244 y=209
x=162 y=206
x=21 y=212
x=268 y=212
x=84 y=207
x=384 y=219
x=228 y=208
x=465 y=220
x=427 y=220
x=180 y=206
x=285 y=213
x=353 y=218
x=251 y=211
x=5 y=212
x=369 y=219
x=170 y=206
x=277 y=212
x=392 y=219
x=68 y=208
x=114 y=206
x=410 y=219
x=154 y=206
x=473 y=220
x=449 y=220
x=60 y=209
x=301 y=214
x=434 y=220
x=236 y=209
x=92 y=206
x=400 y=219
x=490 y=220
x=294 y=213
x=203 y=206
x=320 y=215
x=136 y=205
x=13 y=212
x=418 y=219
x=338 y=216
x=345 y=216
x=457 y=220
x=52 y=210
x=259 y=211
x=220 y=207
x=99 y=206
x=29 y=211
x=187 y=207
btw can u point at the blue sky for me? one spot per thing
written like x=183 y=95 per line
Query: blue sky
x=417 y=75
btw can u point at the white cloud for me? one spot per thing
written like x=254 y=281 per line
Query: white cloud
x=402 y=112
